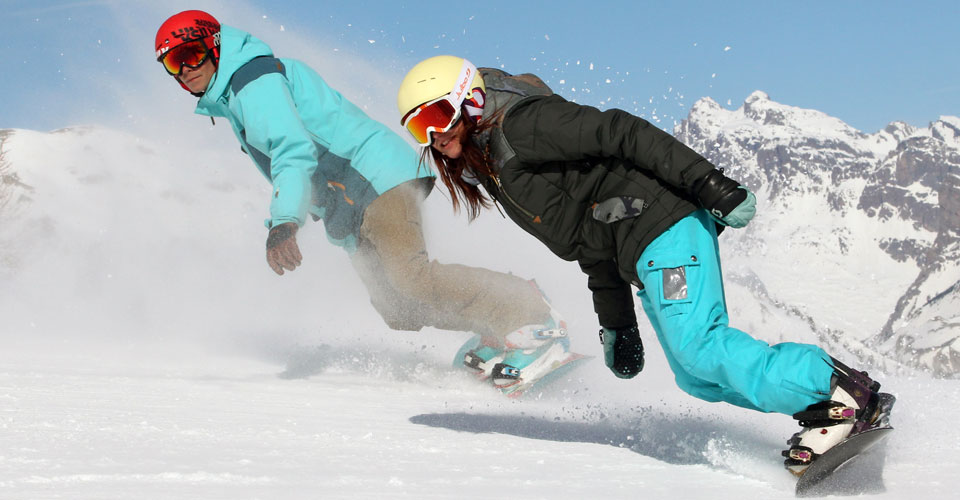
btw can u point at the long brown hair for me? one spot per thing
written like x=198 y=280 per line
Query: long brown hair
x=473 y=159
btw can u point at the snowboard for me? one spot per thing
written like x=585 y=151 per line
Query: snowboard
x=552 y=375
x=852 y=467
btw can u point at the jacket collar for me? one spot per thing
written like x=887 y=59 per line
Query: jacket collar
x=237 y=47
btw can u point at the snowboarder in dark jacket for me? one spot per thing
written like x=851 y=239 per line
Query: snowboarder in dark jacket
x=632 y=205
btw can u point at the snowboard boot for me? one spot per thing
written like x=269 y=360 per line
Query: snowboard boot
x=537 y=335
x=855 y=405
x=532 y=351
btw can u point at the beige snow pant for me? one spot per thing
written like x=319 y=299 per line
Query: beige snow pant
x=411 y=291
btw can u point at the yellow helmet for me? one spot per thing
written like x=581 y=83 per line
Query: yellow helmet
x=433 y=78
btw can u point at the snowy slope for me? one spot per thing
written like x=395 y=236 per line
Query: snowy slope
x=162 y=421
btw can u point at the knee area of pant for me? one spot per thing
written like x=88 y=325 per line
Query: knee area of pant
x=413 y=275
x=698 y=390
x=688 y=345
x=398 y=317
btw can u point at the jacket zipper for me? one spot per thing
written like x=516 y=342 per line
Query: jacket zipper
x=496 y=179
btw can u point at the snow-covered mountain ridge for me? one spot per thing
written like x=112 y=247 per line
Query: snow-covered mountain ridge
x=860 y=231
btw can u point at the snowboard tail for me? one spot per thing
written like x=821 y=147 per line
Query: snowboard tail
x=855 y=465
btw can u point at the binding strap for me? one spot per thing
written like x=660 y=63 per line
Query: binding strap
x=826 y=413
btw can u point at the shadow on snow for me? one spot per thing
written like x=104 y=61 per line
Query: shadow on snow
x=674 y=439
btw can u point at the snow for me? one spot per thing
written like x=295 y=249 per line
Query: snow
x=143 y=420
x=948 y=129
x=784 y=123
x=821 y=281
x=149 y=352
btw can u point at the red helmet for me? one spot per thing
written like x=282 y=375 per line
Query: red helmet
x=189 y=26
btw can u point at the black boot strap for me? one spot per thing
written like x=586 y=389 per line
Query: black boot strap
x=503 y=371
x=826 y=414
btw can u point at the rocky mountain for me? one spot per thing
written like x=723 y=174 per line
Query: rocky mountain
x=859 y=233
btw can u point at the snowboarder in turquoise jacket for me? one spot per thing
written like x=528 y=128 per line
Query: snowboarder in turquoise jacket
x=328 y=160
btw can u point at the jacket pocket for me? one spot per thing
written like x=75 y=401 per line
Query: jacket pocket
x=794 y=387
x=618 y=208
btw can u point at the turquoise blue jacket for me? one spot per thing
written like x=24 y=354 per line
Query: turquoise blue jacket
x=322 y=153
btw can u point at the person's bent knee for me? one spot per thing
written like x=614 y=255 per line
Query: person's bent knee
x=397 y=316
x=692 y=346
x=413 y=278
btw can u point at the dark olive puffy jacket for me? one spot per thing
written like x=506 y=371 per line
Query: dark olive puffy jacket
x=594 y=186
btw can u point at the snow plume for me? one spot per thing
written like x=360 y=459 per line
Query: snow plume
x=114 y=238
x=111 y=238
x=156 y=231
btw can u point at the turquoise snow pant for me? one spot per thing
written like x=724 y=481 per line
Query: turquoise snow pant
x=684 y=300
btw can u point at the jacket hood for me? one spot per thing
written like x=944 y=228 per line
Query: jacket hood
x=237 y=47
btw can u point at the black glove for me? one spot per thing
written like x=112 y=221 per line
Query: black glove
x=622 y=350
x=730 y=203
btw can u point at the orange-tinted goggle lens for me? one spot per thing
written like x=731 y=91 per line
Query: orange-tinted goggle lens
x=433 y=116
x=191 y=54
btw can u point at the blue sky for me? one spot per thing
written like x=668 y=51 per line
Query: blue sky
x=867 y=63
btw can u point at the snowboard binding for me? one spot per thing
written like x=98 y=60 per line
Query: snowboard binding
x=855 y=406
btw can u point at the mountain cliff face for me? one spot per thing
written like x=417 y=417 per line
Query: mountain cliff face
x=859 y=231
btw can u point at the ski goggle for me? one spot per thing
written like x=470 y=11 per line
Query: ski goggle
x=436 y=116
x=190 y=54
x=440 y=114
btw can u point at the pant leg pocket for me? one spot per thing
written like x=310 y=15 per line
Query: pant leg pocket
x=671 y=279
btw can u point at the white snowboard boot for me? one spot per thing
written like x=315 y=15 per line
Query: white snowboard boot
x=855 y=405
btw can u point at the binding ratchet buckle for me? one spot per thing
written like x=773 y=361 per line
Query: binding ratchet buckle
x=551 y=333
x=841 y=413
x=803 y=455
x=505 y=371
